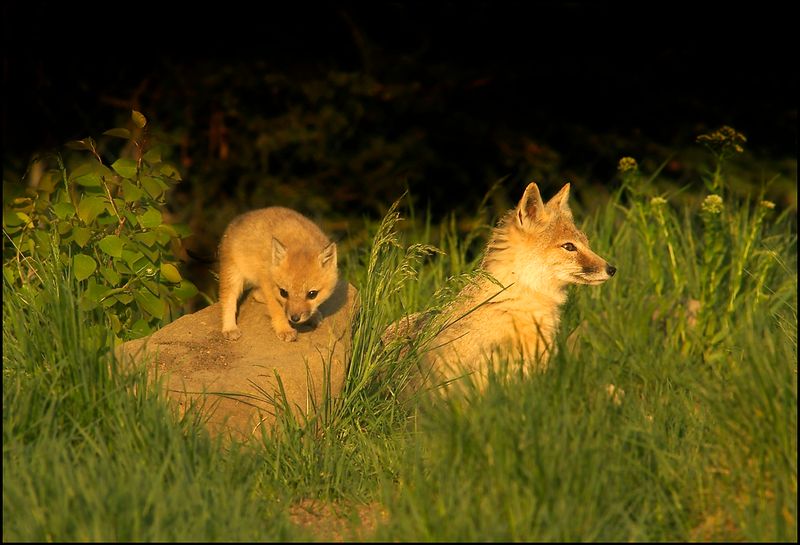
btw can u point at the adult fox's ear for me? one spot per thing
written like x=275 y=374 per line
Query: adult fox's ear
x=327 y=256
x=530 y=208
x=559 y=201
x=278 y=251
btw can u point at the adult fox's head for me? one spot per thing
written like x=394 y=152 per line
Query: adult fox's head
x=538 y=245
x=303 y=279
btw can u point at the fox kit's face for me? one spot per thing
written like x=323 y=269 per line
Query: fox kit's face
x=302 y=279
x=549 y=249
x=564 y=250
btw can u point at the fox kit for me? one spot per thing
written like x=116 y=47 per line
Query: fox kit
x=534 y=253
x=286 y=258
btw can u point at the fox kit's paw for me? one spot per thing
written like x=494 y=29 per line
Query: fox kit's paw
x=232 y=334
x=287 y=335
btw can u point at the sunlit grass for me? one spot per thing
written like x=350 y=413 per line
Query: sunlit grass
x=668 y=413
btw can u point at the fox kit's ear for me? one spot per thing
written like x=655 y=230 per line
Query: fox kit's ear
x=278 y=251
x=327 y=257
x=559 y=201
x=530 y=208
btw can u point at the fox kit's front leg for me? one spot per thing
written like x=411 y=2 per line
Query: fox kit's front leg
x=231 y=284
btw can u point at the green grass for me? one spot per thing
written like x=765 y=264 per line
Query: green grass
x=698 y=329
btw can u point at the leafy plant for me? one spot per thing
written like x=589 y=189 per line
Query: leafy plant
x=104 y=218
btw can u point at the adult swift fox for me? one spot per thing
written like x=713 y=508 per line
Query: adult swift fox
x=286 y=258
x=512 y=313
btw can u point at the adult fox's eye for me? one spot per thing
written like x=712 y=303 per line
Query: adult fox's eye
x=283 y=293
x=568 y=246
x=312 y=294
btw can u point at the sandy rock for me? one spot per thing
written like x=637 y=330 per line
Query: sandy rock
x=234 y=380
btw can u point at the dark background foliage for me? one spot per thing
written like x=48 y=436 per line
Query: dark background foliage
x=335 y=108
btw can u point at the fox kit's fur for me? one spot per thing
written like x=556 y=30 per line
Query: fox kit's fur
x=286 y=258
x=534 y=253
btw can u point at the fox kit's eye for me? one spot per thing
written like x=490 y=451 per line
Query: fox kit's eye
x=283 y=293
x=312 y=294
x=568 y=246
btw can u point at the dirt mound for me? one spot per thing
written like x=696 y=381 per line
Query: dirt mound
x=234 y=381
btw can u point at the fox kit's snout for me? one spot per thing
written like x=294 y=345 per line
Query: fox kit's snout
x=288 y=261
x=535 y=252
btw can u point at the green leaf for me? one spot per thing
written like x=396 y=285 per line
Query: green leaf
x=139 y=119
x=112 y=245
x=150 y=219
x=116 y=325
x=170 y=172
x=163 y=238
x=9 y=274
x=148 y=238
x=140 y=328
x=15 y=219
x=154 y=255
x=151 y=304
x=94 y=291
x=153 y=156
x=125 y=167
x=107 y=219
x=118 y=132
x=81 y=235
x=86 y=303
x=170 y=272
x=111 y=276
x=64 y=210
x=130 y=216
x=124 y=298
x=150 y=285
x=92 y=179
x=185 y=290
x=89 y=173
x=83 y=266
x=90 y=207
x=43 y=238
x=130 y=191
x=131 y=258
x=153 y=186
x=82 y=169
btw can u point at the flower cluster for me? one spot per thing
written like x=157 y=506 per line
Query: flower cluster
x=723 y=140
x=627 y=164
x=712 y=205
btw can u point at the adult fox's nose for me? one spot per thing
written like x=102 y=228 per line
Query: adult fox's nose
x=610 y=269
